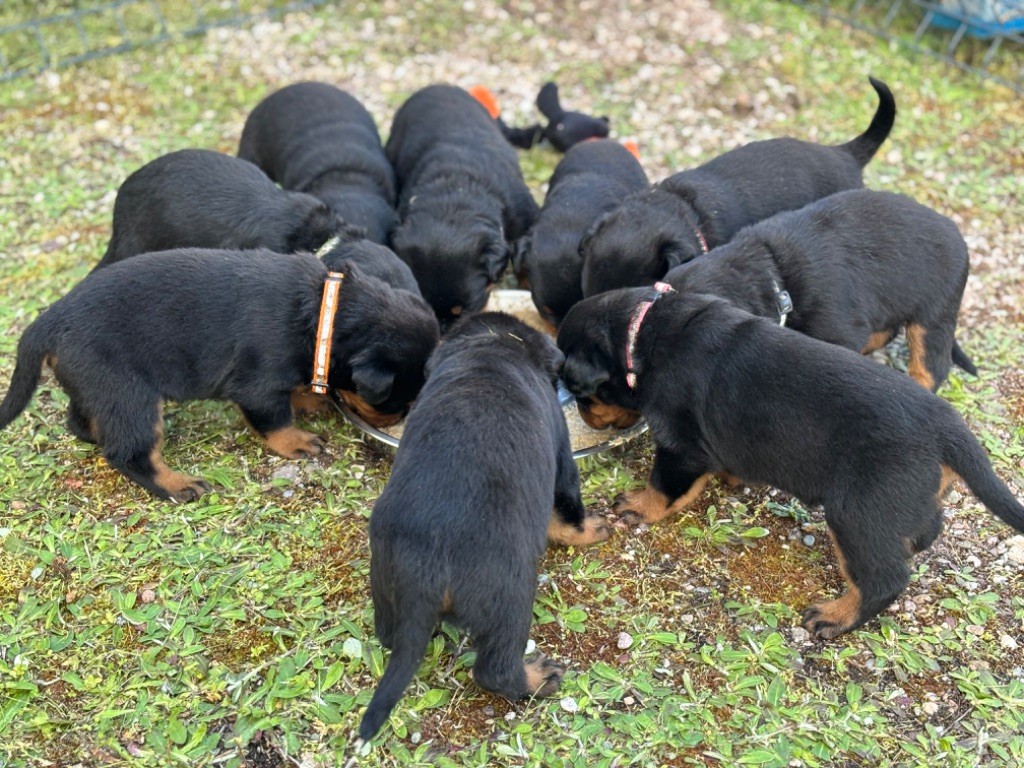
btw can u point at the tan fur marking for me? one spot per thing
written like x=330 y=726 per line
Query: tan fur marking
x=294 y=443
x=564 y=534
x=549 y=328
x=875 y=341
x=543 y=676
x=456 y=310
x=916 y=367
x=446 y=602
x=690 y=496
x=948 y=478
x=600 y=415
x=729 y=479
x=306 y=403
x=651 y=505
x=367 y=412
x=178 y=486
x=839 y=614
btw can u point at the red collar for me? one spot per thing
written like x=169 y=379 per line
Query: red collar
x=634 y=329
x=325 y=332
x=701 y=239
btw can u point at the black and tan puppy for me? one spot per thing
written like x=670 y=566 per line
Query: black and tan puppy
x=591 y=180
x=464 y=519
x=194 y=198
x=353 y=247
x=228 y=325
x=316 y=138
x=852 y=269
x=693 y=211
x=727 y=392
x=462 y=198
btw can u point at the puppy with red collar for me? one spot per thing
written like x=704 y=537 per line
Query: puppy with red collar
x=728 y=392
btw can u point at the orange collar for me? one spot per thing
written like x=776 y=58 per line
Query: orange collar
x=325 y=332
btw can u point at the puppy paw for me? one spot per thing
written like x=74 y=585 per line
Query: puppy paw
x=306 y=403
x=594 y=529
x=543 y=675
x=183 y=488
x=293 y=443
x=833 y=618
x=643 y=506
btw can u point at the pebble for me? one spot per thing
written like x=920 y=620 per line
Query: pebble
x=1015 y=550
x=624 y=641
x=801 y=635
x=148 y=595
x=569 y=704
x=290 y=472
x=930 y=708
x=1007 y=642
x=809 y=540
x=975 y=630
x=531 y=646
x=629 y=701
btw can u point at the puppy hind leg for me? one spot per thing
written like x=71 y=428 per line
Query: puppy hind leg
x=80 y=425
x=931 y=353
x=500 y=667
x=873 y=564
x=385 y=617
x=132 y=443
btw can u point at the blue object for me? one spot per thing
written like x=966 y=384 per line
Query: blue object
x=982 y=16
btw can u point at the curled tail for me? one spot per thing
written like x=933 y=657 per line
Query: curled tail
x=863 y=147
x=967 y=458
x=410 y=644
x=32 y=351
x=961 y=360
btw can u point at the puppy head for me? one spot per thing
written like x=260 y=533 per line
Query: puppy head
x=593 y=339
x=383 y=338
x=637 y=243
x=314 y=223
x=500 y=328
x=455 y=265
x=551 y=262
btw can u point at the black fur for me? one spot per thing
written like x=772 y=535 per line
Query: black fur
x=591 y=180
x=461 y=197
x=228 y=325
x=372 y=259
x=202 y=199
x=725 y=391
x=657 y=229
x=461 y=525
x=315 y=138
x=855 y=264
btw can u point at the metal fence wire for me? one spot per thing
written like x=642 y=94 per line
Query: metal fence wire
x=36 y=35
x=985 y=37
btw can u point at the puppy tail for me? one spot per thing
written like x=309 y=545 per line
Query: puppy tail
x=32 y=351
x=967 y=458
x=961 y=360
x=410 y=644
x=863 y=148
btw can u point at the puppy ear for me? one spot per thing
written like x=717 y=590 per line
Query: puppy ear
x=547 y=101
x=671 y=254
x=584 y=245
x=494 y=258
x=519 y=253
x=373 y=383
x=582 y=376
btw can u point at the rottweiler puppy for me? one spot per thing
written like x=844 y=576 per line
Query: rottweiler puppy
x=199 y=324
x=352 y=246
x=315 y=138
x=691 y=212
x=852 y=270
x=462 y=198
x=725 y=391
x=591 y=180
x=203 y=199
x=465 y=516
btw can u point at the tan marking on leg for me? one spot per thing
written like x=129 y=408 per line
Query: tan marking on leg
x=543 y=675
x=600 y=415
x=179 y=486
x=549 y=328
x=307 y=403
x=456 y=310
x=834 y=617
x=565 y=534
x=446 y=602
x=367 y=412
x=875 y=341
x=651 y=505
x=690 y=496
x=948 y=478
x=293 y=443
x=729 y=479
x=916 y=366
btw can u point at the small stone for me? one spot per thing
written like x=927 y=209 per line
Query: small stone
x=801 y=635
x=148 y=595
x=18 y=505
x=809 y=540
x=290 y=472
x=625 y=640
x=415 y=738
x=909 y=606
x=1007 y=642
x=1015 y=549
x=531 y=646
x=510 y=715
x=975 y=630
x=489 y=711
x=930 y=708
x=953 y=498
x=569 y=704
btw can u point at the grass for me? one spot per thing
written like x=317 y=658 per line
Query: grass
x=237 y=630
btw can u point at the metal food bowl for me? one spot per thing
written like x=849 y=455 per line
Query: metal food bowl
x=585 y=440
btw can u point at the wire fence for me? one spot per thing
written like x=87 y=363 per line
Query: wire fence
x=985 y=37
x=36 y=35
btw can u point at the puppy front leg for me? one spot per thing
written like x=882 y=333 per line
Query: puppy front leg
x=272 y=418
x=570 y=524
x=675 y=483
